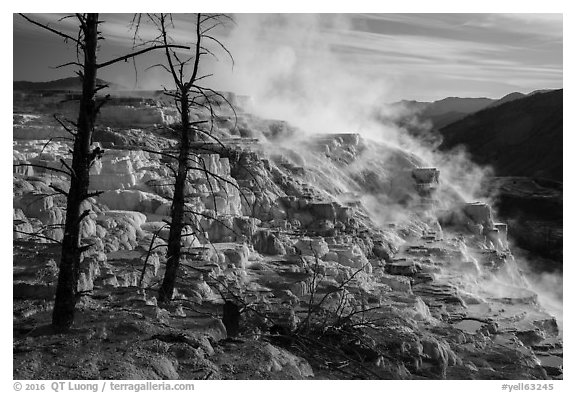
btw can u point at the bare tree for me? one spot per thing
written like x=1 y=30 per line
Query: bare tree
x=83 y=155
x=188 y=94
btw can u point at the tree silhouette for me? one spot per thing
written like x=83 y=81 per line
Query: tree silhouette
x=188 y=94
x=83 y=155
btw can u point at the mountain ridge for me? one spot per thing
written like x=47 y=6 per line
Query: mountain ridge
x=445 y=111
x=70 y=83
x=508 y=136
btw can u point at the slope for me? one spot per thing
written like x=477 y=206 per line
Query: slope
x=512 y=135
x=72 y=84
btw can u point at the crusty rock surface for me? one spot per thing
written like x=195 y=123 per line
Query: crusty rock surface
x=345 y=257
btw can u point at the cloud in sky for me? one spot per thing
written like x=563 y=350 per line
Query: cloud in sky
x=412 y=56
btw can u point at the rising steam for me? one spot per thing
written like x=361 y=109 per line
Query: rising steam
x=292 y=68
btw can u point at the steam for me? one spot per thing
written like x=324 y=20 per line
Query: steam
x=292 y=68
x=549 y=285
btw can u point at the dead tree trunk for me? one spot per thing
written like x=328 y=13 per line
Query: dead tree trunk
x=186 y=97
x=177 y=210
x=63 y=315
x=82 y=157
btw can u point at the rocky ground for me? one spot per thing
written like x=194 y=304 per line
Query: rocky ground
x=344 y=258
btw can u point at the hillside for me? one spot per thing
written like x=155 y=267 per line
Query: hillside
x=509 y=136
x=439 y=113
x=457 y=105
x=522 y=141
x=66 y=84
x=507 y=98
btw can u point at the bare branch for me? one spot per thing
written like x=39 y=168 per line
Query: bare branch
x=68 y=167
x=68 y=64
x=209 y=217
x=58 y=190
x=161 y=153
x=130 y=55
x=168 y=55
x=66 y=17
x=204 y=76
x=93 y=194
x=37 y=235
x=84 y=214
x=45 y=167
x=50 y=140
x=82 y=20
x=206 y=30
x=221 y=46
x=84 y=248
x=57 y=32
x=100 y=87
x=197 y=56
x=150 y=249
x=157 y=65
x=101 y=104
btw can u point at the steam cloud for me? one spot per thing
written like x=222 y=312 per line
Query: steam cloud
x=292 y=68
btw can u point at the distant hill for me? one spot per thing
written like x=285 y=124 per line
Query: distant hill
x=522 y=137
x=442 y=112
x=457 y=105
x=507 y=98
x=68 y=84
x=438 y=114
x=516 y=96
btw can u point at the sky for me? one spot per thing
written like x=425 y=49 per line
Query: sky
x=385 y=57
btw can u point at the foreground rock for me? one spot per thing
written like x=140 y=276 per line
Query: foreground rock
x=341 y=259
